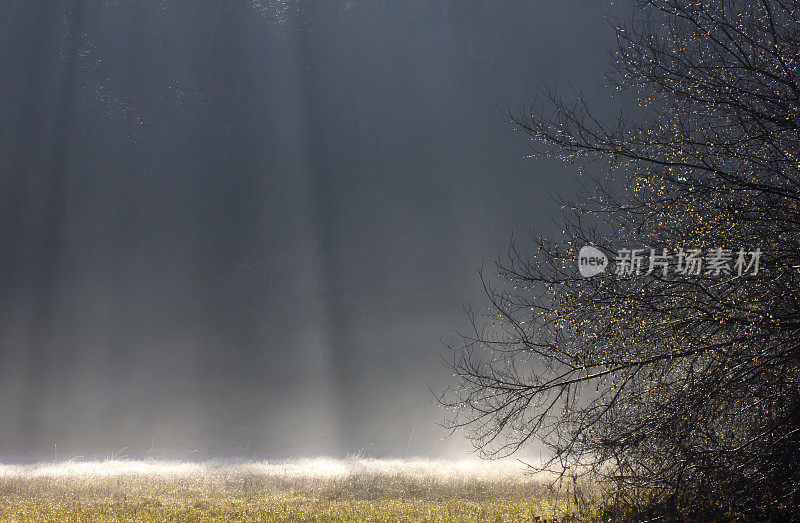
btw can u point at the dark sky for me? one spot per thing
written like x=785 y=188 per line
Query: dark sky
x=241 y=228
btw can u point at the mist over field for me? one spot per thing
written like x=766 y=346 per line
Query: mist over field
x=355 y=489
x=241 y=229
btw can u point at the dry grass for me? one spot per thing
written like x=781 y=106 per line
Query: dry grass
x=300 y=490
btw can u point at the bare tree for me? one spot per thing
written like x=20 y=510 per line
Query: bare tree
x=683 y=386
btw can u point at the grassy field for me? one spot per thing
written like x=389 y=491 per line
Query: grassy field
x=300 y=490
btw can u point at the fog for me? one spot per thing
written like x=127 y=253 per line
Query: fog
x=243 y=228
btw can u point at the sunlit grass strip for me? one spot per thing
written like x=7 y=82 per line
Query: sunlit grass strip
x=299 y=490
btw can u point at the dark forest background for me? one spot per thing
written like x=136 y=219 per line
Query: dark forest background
x=242 y=228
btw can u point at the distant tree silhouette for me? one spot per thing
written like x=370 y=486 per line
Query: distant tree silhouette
x=683 y=389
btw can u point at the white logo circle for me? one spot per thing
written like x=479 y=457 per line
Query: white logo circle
x=591 y=261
